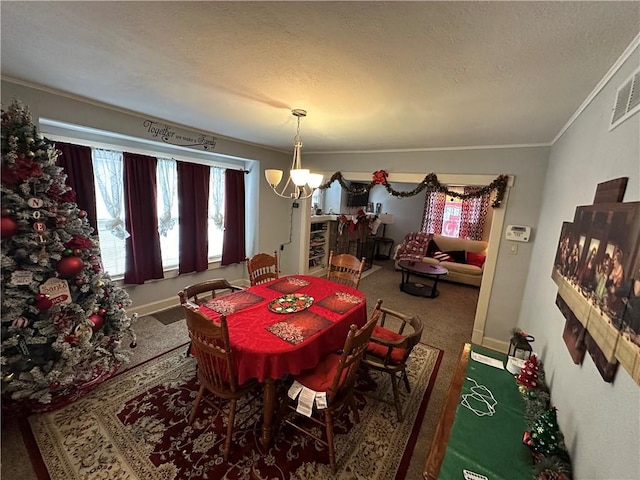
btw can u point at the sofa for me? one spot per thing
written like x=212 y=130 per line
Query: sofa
x=463 y=258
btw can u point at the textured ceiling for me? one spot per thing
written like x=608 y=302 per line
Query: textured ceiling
x=372 y=75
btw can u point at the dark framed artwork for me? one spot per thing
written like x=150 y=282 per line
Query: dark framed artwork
x=597 y=270
x=606 y=368
x=573 y=333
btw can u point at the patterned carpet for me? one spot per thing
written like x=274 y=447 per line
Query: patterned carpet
x=134 y=426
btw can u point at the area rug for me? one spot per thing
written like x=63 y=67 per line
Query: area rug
x=134 y=426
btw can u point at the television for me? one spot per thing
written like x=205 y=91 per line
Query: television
x=358 y=200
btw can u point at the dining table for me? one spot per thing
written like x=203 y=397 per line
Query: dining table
x=283 y=327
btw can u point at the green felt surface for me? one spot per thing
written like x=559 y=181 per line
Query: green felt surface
x=490 y=445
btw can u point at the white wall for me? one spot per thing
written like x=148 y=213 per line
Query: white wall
x=600 y=421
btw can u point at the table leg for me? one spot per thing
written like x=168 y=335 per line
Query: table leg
x=405 y=279
x=434 y=288
x=269 y=404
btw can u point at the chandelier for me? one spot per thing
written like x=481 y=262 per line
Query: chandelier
x=301 y=180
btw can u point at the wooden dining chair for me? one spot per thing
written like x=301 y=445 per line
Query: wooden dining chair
x=262 y=268
x=345 y=269
x=390 y=346
x=335 y=375
x=216 y=373
x=201 y=292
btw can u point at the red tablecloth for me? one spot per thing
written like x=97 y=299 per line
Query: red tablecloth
x=260 y=353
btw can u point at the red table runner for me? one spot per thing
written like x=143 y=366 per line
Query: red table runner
x=260 y=353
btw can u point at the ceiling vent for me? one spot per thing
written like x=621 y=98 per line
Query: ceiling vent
x=627 y=100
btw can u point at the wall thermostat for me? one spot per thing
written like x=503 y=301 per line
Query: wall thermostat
x=518 y=233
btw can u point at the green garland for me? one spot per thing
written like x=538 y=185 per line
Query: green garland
x=429 y=183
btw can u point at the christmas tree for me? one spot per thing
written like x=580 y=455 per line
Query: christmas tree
x=545 y=435
x=63 y=319
x=528 y=376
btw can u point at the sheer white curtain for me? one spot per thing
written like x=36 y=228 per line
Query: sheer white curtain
x=107 y=170
x=216 y=197
x=216 y=212
x=167 y=187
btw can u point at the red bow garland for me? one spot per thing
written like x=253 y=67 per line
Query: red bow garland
x=380 y=177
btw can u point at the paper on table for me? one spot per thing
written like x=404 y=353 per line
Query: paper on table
x=492 y=362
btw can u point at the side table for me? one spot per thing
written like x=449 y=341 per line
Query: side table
x=380 y=247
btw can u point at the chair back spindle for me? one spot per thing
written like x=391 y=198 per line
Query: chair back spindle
x=262 y=268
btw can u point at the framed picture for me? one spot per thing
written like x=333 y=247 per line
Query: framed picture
x=597 y=270
x=573 y=333
x=606 y=368
x=561 y=264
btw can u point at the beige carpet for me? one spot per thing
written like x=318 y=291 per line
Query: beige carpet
x=448 y=325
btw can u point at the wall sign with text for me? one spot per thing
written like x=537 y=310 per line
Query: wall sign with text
x=179 y=137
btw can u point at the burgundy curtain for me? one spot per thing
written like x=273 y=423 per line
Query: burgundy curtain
x=193 y=192
x=77 y=163
x=143 y=257
x=233 y=243
x=433 y=212
x=474 y=214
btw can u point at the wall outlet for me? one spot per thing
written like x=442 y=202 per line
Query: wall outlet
x=513 y=248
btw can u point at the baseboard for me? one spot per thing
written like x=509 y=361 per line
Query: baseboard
x=494 y=344
x=167 y=303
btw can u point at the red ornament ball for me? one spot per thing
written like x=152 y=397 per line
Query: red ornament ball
x=96 y=268
x=8 y=227
x=69 y=267
x=102 y=312
x=43 y=302
x=97 y=322
x=79 y=281
x=82 y=213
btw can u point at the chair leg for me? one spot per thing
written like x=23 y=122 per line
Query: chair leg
x=328 y=418
x=396 y=396
x=194 y=409
x=352 y=405
x=406 y=380
x=230 y=422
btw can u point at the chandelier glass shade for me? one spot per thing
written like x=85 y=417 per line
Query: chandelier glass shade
x=301 y=182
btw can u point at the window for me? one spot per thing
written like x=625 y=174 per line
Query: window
x=451 y=217
x=107 y=171
x=168 y=215
x=109 y=183
x=216 y=212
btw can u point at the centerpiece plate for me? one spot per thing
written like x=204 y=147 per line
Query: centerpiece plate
x=291 y=303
